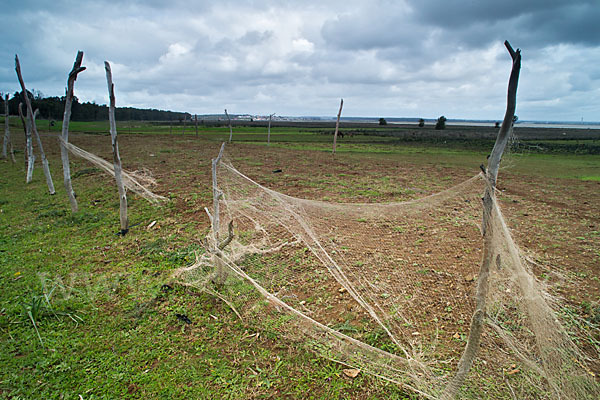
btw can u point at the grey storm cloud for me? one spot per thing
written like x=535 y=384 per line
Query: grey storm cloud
x=385 y=58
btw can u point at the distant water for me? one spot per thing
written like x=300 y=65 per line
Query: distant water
x=565 y=125
x=557 y=125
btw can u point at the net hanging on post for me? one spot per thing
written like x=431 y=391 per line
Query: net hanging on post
x=390 y=288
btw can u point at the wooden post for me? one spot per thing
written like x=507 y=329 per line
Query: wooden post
x=6 y=129
x=184 y=121
x=29 y=156
x=220 y=272
x=491 y=175
x=115 y=147
x=269 y=130
x=216 y=196
x=24 y=123
x=64 y=137
x=230 y=129
x=170 y=126
x=45 y=165
x=7 y=140
x=33 y=128
x=337 y=125
x=196 y=123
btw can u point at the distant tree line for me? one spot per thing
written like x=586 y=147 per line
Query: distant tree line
x=53 y=108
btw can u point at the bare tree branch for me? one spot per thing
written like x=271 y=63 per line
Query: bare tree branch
x=115 y=147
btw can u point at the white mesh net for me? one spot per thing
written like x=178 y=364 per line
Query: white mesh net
x=136 y=181
x=390 y=288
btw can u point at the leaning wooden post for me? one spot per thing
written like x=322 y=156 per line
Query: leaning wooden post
x=489 y=199
x=33 y=128
x=115 y=147
x=7 y=140
x=269 y=129
x=24 y=123
x=337 y=125
x=64 y=137
x=230 y=129
x=45 y=165
x=29 y=156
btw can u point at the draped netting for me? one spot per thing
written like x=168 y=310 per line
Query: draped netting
x=136 y=181
x=390 y=288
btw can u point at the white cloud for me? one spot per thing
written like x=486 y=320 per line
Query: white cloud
x=392 y=58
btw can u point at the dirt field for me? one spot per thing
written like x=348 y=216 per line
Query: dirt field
x=556 y=220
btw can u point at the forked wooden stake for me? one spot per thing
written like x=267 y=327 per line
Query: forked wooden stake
x=64 y=136
x=477 y=321
x=337 y=125
x=115 y=147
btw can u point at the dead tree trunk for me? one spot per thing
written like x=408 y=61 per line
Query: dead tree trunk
x=230 y=129
x=45 y=165
x=269 y=129
x=7 y=140
x=29 y=156
x=115 y=147
x=337 y=125
x=64 y=137
x=489 y=199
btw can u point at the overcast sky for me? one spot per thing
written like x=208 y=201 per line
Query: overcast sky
x=412 y=58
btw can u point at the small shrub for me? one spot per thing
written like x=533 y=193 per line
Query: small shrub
x=382 y=121
x=441 y=123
